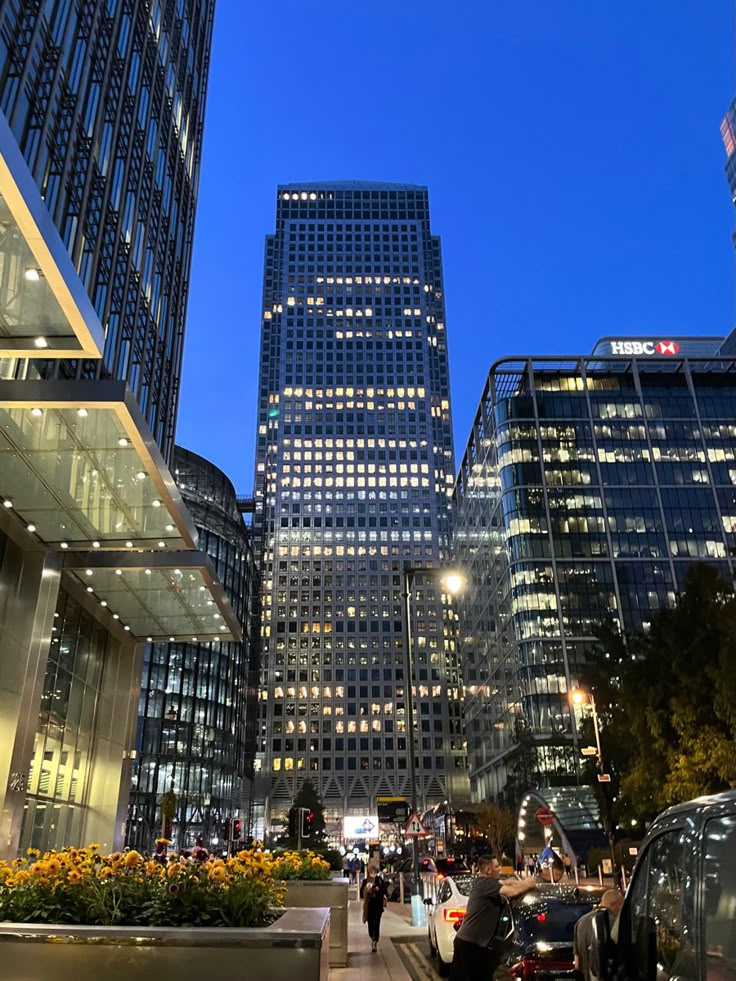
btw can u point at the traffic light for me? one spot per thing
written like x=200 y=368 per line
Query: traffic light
x=227 y=829
x=307 y=819
x=237 y=830
x=293 y=821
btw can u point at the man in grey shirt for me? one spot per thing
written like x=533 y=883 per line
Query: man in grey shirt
x=475 y=958
x=612 y=900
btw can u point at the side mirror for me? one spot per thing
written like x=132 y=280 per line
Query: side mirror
x=601 y=948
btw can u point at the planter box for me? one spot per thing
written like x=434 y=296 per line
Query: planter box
x=296 y=945
x=303 y=893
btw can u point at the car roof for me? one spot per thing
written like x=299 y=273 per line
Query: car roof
x=693 y=805
x=564 y=894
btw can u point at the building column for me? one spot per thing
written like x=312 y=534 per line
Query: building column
x=29 y=586
x=106 y=806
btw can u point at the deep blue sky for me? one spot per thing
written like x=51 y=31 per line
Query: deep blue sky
x=571 y=148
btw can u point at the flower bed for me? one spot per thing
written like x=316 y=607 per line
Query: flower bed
x=81 y=886
x=304 y=865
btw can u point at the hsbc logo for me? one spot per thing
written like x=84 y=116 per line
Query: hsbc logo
x=647 y=348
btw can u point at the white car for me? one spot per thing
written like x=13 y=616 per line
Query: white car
x=444 y=915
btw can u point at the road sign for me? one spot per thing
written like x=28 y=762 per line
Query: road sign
x=604 y=778
x=544 y=816
x=414 y=827
x=589 y=751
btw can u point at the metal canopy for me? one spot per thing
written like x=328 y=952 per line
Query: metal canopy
x=79 y=468
x=45 y=311
x=159 y=596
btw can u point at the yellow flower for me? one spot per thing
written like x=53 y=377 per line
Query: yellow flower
x=132 y=859
x=53 y=865
x=38 y=868
x=173 y=869
x=33 y=851
x=93 y=848
x=105 y=873
x=218 y=873
x=74 y=877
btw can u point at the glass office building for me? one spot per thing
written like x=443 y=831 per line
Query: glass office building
x=353 y=474
x=101 y=109
x=106 y=101
x=197 y=716
x=587 y=487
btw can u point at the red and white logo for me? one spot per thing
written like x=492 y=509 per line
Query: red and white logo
x=666 y=347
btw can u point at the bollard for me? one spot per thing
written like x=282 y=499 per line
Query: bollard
x=401 y=889
x=600 y=874
x=577 y=878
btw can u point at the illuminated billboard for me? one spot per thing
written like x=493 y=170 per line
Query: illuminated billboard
x=360 y=826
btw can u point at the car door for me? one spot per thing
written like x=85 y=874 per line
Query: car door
x=718 y=948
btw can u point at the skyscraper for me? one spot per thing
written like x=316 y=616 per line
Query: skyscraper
x=354 y=466
x=101 y=110
x=588 y=487
x=106 y=102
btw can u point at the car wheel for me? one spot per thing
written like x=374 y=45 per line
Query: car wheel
x=443 y=969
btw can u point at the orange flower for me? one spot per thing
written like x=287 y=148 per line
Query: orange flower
x=74 y=877
x=132 y=859
x=218 y=873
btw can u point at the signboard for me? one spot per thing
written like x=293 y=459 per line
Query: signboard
x=633 y=851
x=414 y=827
x=360 y=826
x=607 y=866
x=604 y=778
x=658 y=348
x=647 y=348
x=393 y=810
x=544 y=816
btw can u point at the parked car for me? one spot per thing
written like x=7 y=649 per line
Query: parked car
x=678 y=919
x=445 y=915
x=439 y=867
x=544 y=921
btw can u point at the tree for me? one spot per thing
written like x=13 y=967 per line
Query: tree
x=498 y=824
x=307 y=796
x=667 y=700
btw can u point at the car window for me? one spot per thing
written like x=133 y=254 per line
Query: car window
x=464 y=883
x=444 y=892
x=552 y=922
x=720 y=898
x=662 y=909
x=449 y=866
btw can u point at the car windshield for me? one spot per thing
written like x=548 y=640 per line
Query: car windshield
x=463 y=883
x=451 y=866
x=552 y=921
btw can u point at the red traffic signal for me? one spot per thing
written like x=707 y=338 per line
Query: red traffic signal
x=237 y=830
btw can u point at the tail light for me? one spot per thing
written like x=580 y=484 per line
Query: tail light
x=439 y=877
x=453 y=915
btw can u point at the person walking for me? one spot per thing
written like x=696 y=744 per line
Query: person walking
x=612 y=900
x=373 y=892
x=476 y=958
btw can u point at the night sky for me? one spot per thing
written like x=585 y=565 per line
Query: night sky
x=571 y=149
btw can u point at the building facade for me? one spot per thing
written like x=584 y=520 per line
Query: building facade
x=587 y=487
x=354 y=465
x=106 y=102
x=100 y=129
x=197 y=716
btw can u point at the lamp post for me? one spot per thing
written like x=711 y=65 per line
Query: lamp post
x=578 y=697
x=453 y=581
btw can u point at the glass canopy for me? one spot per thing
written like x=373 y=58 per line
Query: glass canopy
x=80 y=470
x=45 y=311
x=154 y=599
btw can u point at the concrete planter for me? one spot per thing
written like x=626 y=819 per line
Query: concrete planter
x=296 y=945
x=304 y=893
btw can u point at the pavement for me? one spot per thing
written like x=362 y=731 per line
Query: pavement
x=387 y=963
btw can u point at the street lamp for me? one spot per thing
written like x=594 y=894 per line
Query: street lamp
x=453 y=581
x=579 y=697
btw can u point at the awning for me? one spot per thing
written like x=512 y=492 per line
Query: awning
x=45 y=311
x=159 y=596
x=80 y=469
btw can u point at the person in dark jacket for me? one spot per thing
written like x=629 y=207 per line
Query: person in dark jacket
x=374 y=903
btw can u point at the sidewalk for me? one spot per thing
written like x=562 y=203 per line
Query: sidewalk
x=385 y=964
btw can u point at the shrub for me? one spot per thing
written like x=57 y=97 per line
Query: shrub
x=80 y=886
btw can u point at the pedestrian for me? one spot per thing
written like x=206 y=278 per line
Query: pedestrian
x=530 y=864
x=612 y=900
x=477 y=949
x=373 y=892
x=567 y=861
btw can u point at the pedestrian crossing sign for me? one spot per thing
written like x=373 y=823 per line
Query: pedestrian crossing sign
x=414 y=827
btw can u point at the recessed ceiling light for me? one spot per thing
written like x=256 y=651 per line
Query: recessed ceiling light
x=194 y=638
x=115 y=616
x=41 y=342
x=169 y=527
x=103 y=602
x=118 y=572
x=217 y=616
x=149 y=639
x=223 y=627
x=148 y=572
x=177 y=572
x=162 y=544
x=64 y=545
x=126 y=628
x=157 y=504
x=82 y=413
x=95 y=544
x=141 y=475
x=36 y=412
x=90 y=589
x=32 y=274
x=7 y=503
x=128 y=544
x=202 y=589
x=172 y=638
x=88 y=572
x=122 y=441
x=210 y=602
x=31 y=528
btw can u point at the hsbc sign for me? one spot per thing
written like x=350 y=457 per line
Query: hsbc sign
x=647 y=348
